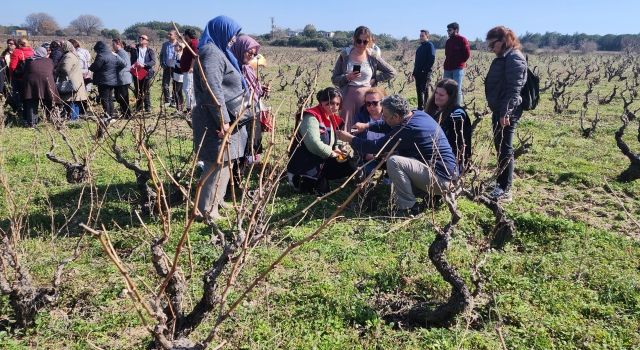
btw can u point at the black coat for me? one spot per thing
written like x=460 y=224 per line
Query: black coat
x=504 y=81
x=106 y=66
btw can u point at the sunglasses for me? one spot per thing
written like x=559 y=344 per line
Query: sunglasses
x=360 y=41
x=372 y=103
x=493 y=44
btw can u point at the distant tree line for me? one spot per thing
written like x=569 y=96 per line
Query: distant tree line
x=43 y=24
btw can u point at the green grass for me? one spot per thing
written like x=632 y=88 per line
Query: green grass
x=570 y=279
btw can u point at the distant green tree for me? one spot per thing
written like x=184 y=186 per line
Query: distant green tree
x=110 y=33
x=310 y=31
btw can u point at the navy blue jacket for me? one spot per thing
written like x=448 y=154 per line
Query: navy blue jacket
x=421 y=138
x=106 y=66
x=425 y=57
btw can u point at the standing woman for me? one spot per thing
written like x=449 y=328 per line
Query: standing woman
x=186 y=65
x=357 y=69
x=38 y=86
x=506 y=77
x=245 y=49
x=106 y=68
x=143 y=59
x=70 y=68
x=453 y=119
x=210 y=123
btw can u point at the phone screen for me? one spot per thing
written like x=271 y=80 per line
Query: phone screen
x=356 y=67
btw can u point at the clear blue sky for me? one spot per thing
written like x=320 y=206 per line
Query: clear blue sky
x=398 y=18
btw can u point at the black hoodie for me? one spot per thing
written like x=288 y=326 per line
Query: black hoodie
x=106 y=66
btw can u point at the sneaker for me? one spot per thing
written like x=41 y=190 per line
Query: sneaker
x=500 y=195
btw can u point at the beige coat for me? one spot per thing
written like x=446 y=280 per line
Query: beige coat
x=70 y=68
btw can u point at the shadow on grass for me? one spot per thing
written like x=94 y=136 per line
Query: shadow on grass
x=52 y=213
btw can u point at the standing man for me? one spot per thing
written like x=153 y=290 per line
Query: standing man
x=167 y=62
x=456 y=51
x=425 y=56
x=143 y=60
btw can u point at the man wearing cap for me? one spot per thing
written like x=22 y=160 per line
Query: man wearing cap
x=143 y=60
x=167 y=62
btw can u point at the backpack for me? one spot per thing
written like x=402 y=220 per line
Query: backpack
x=530 y=92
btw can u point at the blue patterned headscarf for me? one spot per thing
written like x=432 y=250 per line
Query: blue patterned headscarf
x=219 y=31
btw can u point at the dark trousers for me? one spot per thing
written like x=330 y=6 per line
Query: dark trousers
x=178 y=97
x=105 y=92
x=166 y=84
x=141 y=89
x=503 y=142
x=422 y=88
x=122 y=97
x=16 y=101
x=30 y=114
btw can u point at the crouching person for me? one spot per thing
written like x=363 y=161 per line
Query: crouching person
x=423 y=159
x=315 y=158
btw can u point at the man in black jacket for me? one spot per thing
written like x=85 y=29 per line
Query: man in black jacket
x=425 y=56
x=143 y=58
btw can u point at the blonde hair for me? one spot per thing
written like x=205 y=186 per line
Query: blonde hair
x=376 y=90
x=23 y=42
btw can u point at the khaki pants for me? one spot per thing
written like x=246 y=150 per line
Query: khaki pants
x=407 y=174
x=213 y=189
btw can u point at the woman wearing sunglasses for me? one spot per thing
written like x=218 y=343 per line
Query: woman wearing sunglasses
x=505 y=79
x=357 y=69
x=371 y=112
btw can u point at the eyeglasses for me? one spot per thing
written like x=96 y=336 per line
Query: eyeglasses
x=372 y=103
x=337 y=104
x=360 y=42
x=14 y=44
x=141 y=37
x=251 y=53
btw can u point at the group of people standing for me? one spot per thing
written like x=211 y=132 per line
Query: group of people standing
x=63 y=73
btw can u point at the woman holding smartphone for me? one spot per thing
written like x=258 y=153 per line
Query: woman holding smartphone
x=357 y=69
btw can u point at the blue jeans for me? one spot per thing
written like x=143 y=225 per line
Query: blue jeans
x=457 y=75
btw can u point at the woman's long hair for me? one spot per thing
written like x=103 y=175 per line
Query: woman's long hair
x=451 y=87
x=506 y=35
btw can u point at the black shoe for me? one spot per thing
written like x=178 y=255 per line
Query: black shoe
x=322 y=186
x=412 y=212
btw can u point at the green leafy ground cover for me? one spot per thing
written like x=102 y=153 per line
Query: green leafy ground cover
x=569 y=279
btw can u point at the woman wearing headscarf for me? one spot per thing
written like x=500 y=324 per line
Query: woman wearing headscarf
x=70 y=68
x=223 y=74
x=38 y=85
x=245 y=49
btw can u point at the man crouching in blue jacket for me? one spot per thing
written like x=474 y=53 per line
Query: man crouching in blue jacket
x=423 y=158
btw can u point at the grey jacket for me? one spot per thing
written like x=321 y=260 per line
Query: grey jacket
x=505 y=78
x=226 y=83
x=124 y=77
x=382 y=71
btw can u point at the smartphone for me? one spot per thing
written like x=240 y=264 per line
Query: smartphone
x=356 y=68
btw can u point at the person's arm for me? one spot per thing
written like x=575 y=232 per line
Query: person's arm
x=310 y=131
x=365 y=146
x=515 y=73
x=163 y=55
x=466 y=52
x=431 y=56
x=97 y=64
x=152 y=59
x=214 y=69
x=384 y=72
x=339 y=77
x=379 y=126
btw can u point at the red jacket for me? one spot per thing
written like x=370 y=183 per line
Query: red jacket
x=19 y=54
x=187 y=57
x=457 y=51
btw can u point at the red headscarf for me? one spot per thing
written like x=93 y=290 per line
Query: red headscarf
x=326 y=120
